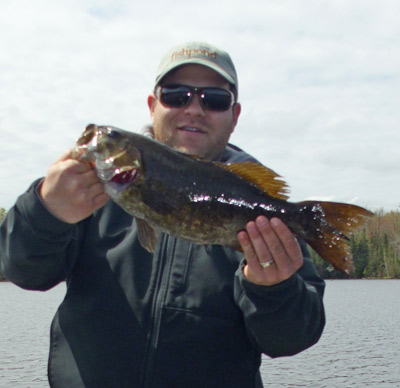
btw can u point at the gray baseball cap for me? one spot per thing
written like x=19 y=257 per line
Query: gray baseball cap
x=200 y=53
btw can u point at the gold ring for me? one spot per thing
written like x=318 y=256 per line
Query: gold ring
x=267 y=264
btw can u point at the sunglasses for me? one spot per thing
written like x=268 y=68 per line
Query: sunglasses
x=177 y=96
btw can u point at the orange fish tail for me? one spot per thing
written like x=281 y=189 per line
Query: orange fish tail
x=337 y=222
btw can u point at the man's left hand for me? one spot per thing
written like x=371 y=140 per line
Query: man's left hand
x=272 y=252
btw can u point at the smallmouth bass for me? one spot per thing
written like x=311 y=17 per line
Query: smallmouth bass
x=208 y=202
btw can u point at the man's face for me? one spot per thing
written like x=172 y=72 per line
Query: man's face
x=193 y=129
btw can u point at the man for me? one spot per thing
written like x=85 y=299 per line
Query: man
x=187 y=315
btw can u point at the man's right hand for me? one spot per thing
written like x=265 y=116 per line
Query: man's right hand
x=71 y=190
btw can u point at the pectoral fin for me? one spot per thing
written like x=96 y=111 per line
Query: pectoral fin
x=148 y=236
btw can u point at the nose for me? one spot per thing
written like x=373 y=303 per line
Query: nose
x=194 y=106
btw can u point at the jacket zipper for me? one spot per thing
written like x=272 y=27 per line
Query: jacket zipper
x=163 y=274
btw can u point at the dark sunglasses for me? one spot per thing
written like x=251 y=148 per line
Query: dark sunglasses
x=177 y=96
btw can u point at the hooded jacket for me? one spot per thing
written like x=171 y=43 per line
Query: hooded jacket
x=184 y=316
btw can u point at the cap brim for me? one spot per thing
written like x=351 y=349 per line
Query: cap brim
x=196 y=61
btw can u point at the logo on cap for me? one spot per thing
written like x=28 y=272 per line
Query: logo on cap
x=193 y=52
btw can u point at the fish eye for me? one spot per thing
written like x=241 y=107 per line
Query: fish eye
x=113 y=134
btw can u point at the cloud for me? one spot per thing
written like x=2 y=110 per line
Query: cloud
x=319 y=84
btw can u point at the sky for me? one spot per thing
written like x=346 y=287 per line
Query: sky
x=319 y=84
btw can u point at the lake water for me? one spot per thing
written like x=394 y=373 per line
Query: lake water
x=359 y=348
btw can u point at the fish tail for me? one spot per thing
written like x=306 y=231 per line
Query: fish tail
x=331 y=239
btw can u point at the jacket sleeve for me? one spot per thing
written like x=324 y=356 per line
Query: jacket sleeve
x=37 y=250
x=286 y=318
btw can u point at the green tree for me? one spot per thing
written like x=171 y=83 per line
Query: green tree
x=361 y=253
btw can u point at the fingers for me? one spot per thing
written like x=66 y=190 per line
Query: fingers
x=281 y=242
x=84 y=187
x=286 y=244
x=258 y=254
x=248 y=250
x=71 y=190
x=256 y=247
x=271 y=250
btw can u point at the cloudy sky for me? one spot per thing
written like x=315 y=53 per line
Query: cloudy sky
x=319 y=84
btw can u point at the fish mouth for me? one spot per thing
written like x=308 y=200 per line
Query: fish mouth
x=105 y=167
x=87 y=136
x=91 y=134
x=124 y=176
x=120 y=178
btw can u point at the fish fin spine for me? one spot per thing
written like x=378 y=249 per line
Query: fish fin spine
x=263 y=177
x=148 y=236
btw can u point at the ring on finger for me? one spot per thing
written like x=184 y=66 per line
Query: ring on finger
x=267 y=263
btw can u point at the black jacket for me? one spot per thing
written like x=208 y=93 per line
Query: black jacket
x=184 y=316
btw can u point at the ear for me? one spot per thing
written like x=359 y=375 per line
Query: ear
x=151 y=101
x=236 y=109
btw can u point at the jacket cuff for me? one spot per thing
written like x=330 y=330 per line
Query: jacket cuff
x=260 y=290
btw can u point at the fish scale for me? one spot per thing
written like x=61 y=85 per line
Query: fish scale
x=208 y=202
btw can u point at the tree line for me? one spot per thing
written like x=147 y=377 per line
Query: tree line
x=375 y=248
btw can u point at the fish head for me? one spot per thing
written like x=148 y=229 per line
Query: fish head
x=117 y=161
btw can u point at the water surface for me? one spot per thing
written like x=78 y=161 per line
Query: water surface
x=359 y=348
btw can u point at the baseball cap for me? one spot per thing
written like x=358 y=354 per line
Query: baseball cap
x=200 y=53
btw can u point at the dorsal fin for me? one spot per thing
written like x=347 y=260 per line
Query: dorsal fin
x=264 y=178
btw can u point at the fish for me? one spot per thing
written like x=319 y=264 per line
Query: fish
x=208 y=202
